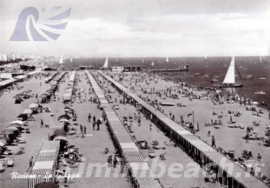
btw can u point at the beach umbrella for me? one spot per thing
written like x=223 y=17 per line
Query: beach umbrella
x=33 y=105
x=27 y=111
x=64 y=120
x=60 y=138
x=18 y=123
x=11 y=128
x=59 y=132
x=64 y=117
x=22 y=116
x=2 y=143
x=46 y=185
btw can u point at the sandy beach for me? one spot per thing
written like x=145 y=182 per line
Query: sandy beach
x=91 y=146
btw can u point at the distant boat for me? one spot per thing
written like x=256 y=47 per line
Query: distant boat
x=205 y=57
x=61 y=60
x=259 y=93
x=229 y=80
x=152 y=64
x=167 y=59
x=71 y=60
x=106 y=64
x=262 y=78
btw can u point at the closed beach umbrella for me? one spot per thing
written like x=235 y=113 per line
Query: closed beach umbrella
x=46 y=185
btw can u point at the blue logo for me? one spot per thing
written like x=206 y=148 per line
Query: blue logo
x=30 y=27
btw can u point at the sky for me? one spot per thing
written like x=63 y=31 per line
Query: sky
x=134 y=28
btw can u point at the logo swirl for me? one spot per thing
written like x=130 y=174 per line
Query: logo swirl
x=30 y=28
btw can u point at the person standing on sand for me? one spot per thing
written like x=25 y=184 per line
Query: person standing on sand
x=213 y=142
x=89 y=117
x=81 y=128
x=41 y=123
x=84 y=130
x=31 y=162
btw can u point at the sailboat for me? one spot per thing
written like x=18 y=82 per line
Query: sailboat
x=71 y=60
x=229 y=80
x=61 y=60
x=152 y=64
x=167 y=59
x=106 y=64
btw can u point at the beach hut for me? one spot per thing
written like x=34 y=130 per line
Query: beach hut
x=45 y=165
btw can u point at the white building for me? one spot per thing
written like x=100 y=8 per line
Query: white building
x=117 y=69
x=3 y=57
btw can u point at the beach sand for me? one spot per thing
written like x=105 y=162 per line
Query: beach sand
x=90 y=146
x=226 y=138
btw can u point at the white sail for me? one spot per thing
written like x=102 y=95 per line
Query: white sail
x=205 y=57
x=230 y=75
x=71 y=60
x=61 y=60
x=167 y=59
x=106 y=64
x=153 y=63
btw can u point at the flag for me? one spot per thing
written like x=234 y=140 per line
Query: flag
x=189 y=115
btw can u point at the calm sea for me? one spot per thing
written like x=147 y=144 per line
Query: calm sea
x=255 y=72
